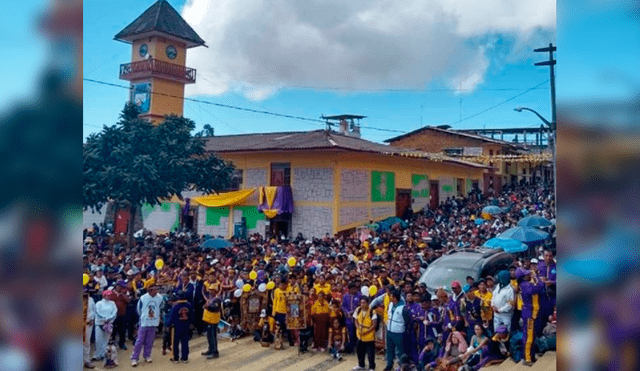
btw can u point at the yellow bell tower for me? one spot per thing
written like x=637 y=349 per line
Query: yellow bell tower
x=158 y=73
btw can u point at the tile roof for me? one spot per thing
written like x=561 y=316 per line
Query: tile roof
x=451 y=132
x=317 y=139
x=161 y=17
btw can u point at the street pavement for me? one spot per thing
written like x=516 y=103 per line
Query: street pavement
x=246 y=355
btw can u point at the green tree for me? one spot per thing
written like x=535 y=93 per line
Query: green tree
x=207 y=131
x=135 y=162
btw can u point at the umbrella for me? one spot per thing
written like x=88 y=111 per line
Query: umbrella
x=479 y=221
x=216 y=243
x=508 y=245
x=534 y=221
x=492 y=210
x=527 y=235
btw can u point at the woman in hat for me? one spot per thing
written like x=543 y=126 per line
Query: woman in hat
x=105 y=313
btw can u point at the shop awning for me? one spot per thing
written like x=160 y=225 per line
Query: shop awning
x=224 y=199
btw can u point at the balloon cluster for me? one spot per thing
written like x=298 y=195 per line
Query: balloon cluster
x=369 y=290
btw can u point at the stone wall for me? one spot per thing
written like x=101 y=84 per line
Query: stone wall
x=382 y=212
x=254 y=178
x=312 y=221
x=312 y=184
x=89 y=217
x=353 y=214
x=165 y=216
x=354 y=185
x=219 y=227
x=256 y=221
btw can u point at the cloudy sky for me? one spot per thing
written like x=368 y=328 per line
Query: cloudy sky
x=403 y=64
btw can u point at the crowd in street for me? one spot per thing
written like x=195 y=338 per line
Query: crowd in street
x=362 y=295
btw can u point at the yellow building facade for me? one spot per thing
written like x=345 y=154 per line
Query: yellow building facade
x=335 y=189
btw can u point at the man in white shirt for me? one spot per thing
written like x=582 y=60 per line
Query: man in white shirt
x=101 y=280
x=149 y=311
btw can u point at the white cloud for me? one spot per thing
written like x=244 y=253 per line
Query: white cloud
x=259 y=46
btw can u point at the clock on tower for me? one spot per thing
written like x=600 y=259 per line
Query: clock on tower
x=158 y=73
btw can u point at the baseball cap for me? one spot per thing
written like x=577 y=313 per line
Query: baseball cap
x=501 y=330
x=455 y=284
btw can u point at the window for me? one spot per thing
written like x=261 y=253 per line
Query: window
x=236 y=180
x=490 y=152
x=453 y=151
x=280 y=174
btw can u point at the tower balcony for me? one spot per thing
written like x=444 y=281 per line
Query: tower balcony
x=155 y=68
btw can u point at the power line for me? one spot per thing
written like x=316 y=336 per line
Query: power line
x=212 y=103
x=503 y=102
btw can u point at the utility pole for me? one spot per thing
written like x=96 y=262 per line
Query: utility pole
x=552 y=82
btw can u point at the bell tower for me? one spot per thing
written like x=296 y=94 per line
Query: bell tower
x=158 y=73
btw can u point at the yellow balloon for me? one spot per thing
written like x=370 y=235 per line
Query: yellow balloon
x=271 y=285
x=372 y=290
x=85 y=279
x=159 y=264
x=246 y=288
x=253 y=275
x=292 y=261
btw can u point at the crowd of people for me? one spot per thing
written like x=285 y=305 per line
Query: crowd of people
x=361 y=295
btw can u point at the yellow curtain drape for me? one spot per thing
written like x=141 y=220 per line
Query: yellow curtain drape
x=270 y=213
x=224 y=199
x=261 y=195
x=271 y=194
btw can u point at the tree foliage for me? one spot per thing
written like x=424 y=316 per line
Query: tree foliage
x=135 y=162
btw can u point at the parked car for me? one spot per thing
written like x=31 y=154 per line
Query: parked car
x=456 y=265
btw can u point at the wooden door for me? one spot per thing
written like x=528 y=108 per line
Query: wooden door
x=434 y=194
x=403 y=201
x=122 y=221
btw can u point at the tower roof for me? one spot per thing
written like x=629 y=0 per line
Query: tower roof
x=161 y=17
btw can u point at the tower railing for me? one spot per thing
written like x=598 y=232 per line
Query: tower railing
x=156 y=68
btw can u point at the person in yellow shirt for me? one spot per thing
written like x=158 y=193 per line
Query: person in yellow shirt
x=322 y=286
x=280 y=309
x=211 y=317
x=265 y=329
x=366 y=321
x=486 y=313
x=320 y=313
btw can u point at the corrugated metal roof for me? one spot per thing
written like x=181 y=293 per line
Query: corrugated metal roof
x=318 y=139
x=161 y=17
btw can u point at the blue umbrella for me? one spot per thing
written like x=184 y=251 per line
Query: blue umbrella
x=492 y=210
x=479 y=221
x=527 y=235
x=508 y=245
x=216 y=243
x=534 y=221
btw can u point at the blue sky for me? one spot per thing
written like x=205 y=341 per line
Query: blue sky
x=510 y=71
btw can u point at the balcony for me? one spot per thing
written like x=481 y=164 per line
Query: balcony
x=155 y=68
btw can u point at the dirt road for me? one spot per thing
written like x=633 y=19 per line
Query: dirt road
x=245 y=355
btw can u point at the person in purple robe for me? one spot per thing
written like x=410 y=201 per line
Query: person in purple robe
x=411 y=336
x=350 y=302
x=547 y=274
x=531 y=291
x=472 y=311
